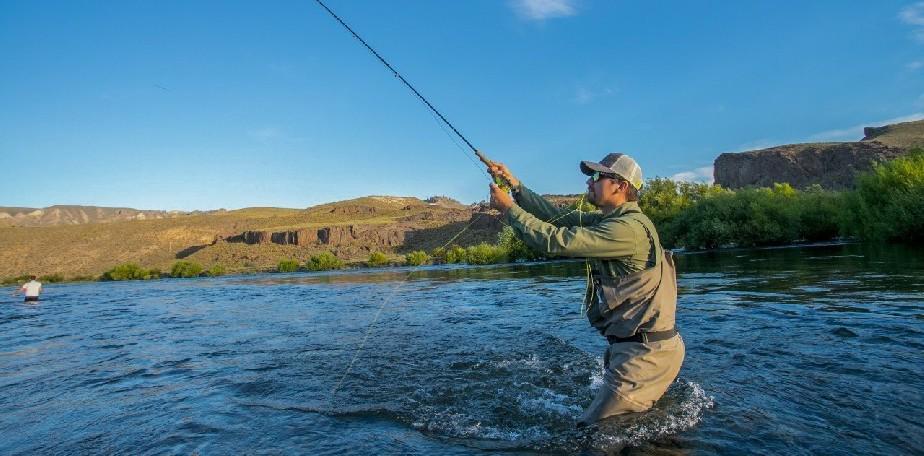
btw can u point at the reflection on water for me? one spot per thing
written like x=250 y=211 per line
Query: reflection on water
x=814 y=350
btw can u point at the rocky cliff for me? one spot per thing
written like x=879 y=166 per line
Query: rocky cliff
x=831 y=165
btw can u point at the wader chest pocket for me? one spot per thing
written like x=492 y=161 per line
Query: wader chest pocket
x=630 y=293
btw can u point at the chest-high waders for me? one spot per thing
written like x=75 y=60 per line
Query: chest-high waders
x=636 y=314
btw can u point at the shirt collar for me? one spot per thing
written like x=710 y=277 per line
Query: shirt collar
x=622 y=209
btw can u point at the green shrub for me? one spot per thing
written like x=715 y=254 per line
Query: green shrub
x=747 y=218
x=485 y=253
x=185 y=269
x=154 y=273
x=217 y=270
x=377 y=259
x=821 y=213
x=663 y=200
x=126 y=271
x=514 y=247
x=324 y=261
x=15 y=280
x=454 y=254
x=51 y=278
x=287 y=266
x=417 y=258
x=888 y=203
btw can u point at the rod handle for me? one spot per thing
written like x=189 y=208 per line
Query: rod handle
x=498 y=180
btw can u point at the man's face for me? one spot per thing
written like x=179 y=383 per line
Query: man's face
x=603 y=189
x=598 y=186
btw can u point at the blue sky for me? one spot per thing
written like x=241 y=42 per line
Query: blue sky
x=201 y=105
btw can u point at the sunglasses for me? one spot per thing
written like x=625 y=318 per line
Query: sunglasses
x=597 y=175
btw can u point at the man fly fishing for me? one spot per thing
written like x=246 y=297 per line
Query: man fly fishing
x=632 y=291
x=631 y=294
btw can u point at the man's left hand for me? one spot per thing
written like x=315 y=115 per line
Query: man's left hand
x=500 y=199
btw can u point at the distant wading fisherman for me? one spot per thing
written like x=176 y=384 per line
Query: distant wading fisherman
x=631 y=295
x=31 y=289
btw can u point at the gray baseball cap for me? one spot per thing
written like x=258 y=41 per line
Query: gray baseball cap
x=620 y=164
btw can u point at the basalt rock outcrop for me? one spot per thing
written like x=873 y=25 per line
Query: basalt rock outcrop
x=334 y=236
x=366 y=236
x=830 y=165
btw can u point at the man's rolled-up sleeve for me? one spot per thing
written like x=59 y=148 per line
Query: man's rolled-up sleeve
x=540 y=207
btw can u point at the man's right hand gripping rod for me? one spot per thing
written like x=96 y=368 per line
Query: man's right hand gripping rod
x=499 y=180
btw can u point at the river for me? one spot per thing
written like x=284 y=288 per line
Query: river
x=812 y=350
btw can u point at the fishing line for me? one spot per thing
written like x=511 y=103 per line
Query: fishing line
x=445 y=121
x=455 y=142
x=394 y=290
x=398 y=75
x=438 y=116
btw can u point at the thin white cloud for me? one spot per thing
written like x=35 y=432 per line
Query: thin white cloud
x=265 y=133
x=756 y=145
x=584 y=95
x=855 y=133
x=540 y=10
x=913 y=15
x=704 y=175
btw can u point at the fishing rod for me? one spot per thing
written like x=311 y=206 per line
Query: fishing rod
x=498 y=179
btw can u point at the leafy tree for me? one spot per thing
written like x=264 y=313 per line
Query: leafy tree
x=821 y=213
x=663 y=200
x=889 y=201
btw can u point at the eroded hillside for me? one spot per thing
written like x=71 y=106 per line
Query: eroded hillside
x=245 y=239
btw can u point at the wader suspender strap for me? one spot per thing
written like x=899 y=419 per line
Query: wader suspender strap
x=653 y=256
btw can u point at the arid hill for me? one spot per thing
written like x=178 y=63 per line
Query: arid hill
x=905 y=135
x=76 y=215
x=245 y=239
x=831 y=165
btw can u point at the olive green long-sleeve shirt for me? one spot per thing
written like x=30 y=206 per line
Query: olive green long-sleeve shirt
x=617 y=242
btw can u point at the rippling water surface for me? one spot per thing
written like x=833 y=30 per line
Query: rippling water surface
x=798 y=351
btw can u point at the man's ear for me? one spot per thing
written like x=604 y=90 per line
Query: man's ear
x=619 y=187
